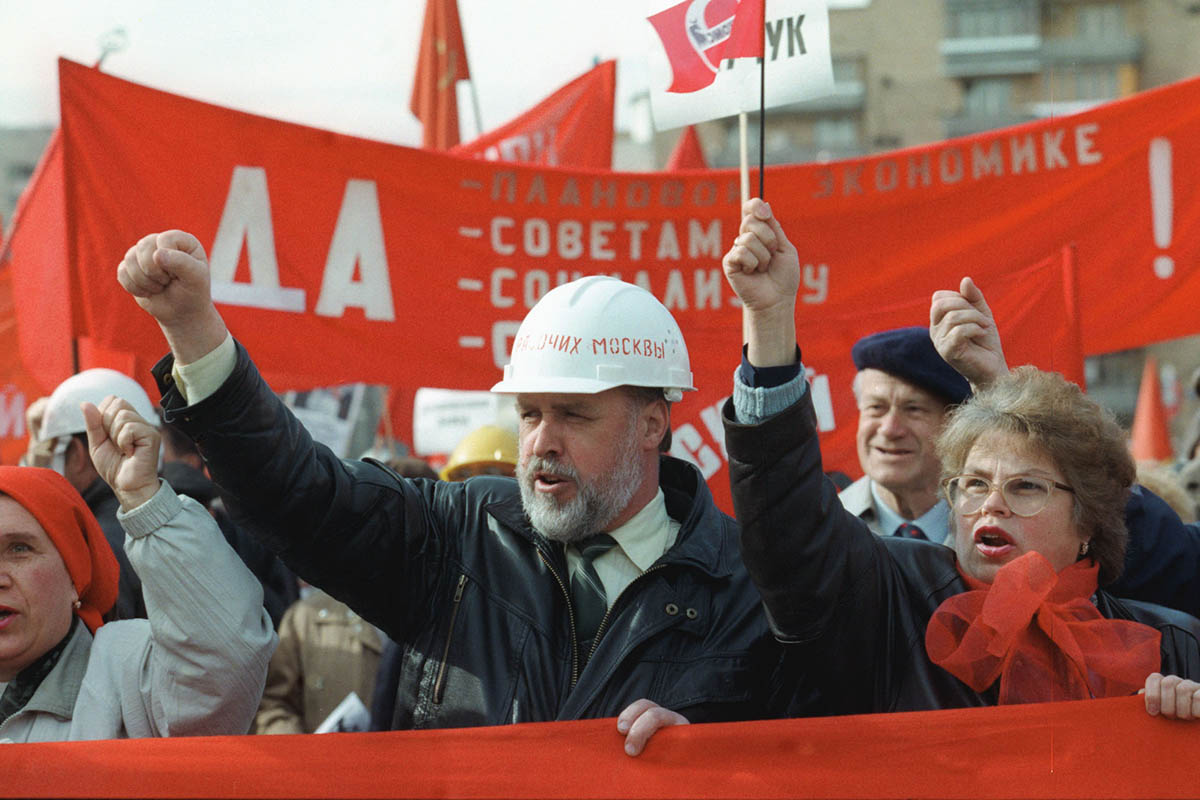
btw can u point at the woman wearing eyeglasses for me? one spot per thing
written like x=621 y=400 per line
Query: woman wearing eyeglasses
x=1036 y=475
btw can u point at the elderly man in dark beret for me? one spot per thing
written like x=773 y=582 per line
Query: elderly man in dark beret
x=903 y=389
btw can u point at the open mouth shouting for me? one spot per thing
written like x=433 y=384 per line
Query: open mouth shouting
x=7 y=615
x=993 y=542
x=550 y=479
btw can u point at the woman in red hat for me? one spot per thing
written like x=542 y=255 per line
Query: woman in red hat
x=196 y=666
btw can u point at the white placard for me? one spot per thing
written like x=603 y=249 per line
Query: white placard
x=442 y=417
x=350 y=716
x=329 y=414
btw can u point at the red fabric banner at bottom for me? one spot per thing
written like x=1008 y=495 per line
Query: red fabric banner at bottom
x=1087 y=749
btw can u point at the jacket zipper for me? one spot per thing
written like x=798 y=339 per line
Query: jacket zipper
x=439 y=686
x=608 y=613
x=570 y=617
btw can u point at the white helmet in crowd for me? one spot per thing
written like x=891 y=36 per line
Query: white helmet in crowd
x=63 y=416
x=595 y=334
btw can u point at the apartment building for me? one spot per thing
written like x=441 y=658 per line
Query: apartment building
x=909 y=72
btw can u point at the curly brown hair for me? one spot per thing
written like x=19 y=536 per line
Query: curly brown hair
x=1081 y=437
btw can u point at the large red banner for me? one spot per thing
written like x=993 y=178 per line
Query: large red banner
x=1086 y=749
x=338 y=259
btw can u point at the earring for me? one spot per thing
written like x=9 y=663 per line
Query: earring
x=1083 y=548
x=78 y=605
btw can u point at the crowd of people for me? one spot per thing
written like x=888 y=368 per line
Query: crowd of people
x=998 y=548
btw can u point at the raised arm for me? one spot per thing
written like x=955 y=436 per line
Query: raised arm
x=339 y=524
x=199 y=670
x=820 y=571
x=763 y=268
x=167 y=273
x=965 y=335
x=124 y=450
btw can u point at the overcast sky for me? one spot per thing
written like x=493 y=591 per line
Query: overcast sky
x=345 y=66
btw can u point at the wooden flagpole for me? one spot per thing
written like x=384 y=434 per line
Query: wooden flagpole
x=762 y=121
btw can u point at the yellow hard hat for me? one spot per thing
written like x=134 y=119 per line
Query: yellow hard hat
x=486 y=450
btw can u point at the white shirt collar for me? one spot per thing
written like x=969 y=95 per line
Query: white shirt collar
x=648 y=534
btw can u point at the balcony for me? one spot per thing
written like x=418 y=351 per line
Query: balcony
x=1063 y=108
x=992 y=37
x=1080 y=50
x=846 y=96
x=968 y=124
x=1018 y=54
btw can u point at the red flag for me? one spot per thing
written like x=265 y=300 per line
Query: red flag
x=47 y=297
x=570 y=128
x=687 y=153
x=1150 y=440
x=698 y=34
x=18 y=388
x=441 y=63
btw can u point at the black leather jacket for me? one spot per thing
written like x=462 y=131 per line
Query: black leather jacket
x=454 y=573
x=853 y=606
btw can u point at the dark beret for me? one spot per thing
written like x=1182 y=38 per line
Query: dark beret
x=909 y=354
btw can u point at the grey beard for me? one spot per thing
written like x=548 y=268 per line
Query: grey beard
x=595 y=505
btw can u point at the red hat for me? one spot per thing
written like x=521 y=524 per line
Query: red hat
x=70 y=524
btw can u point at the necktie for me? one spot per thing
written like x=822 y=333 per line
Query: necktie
x=910 y=531
x=587 y=592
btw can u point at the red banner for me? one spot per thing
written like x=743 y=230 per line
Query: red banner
x=17 y=388
x=337 y=259
x=1087 y=749
x=570 y=128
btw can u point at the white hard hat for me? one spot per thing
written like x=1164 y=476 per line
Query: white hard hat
x=594 y=334
x=63 y=416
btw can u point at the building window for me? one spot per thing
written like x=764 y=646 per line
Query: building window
x=20 y=171
x=1100 y=21
x=988 y=97
x=779 y=145
x=989 y=20
x=1083 y=82
x=847 y=70
x=1096 y=82
x=838 y=134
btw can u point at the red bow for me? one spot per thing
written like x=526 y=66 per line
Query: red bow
x=1039 y=633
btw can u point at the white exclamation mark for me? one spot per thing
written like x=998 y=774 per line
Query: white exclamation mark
x=1162 y=206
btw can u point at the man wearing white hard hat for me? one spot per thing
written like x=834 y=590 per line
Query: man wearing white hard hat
x=601 y=578
x=62 y=443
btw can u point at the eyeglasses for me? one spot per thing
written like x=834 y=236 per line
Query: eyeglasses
x=1025 y=495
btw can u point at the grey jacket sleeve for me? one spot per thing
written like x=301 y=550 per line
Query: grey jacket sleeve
x=201 y=669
